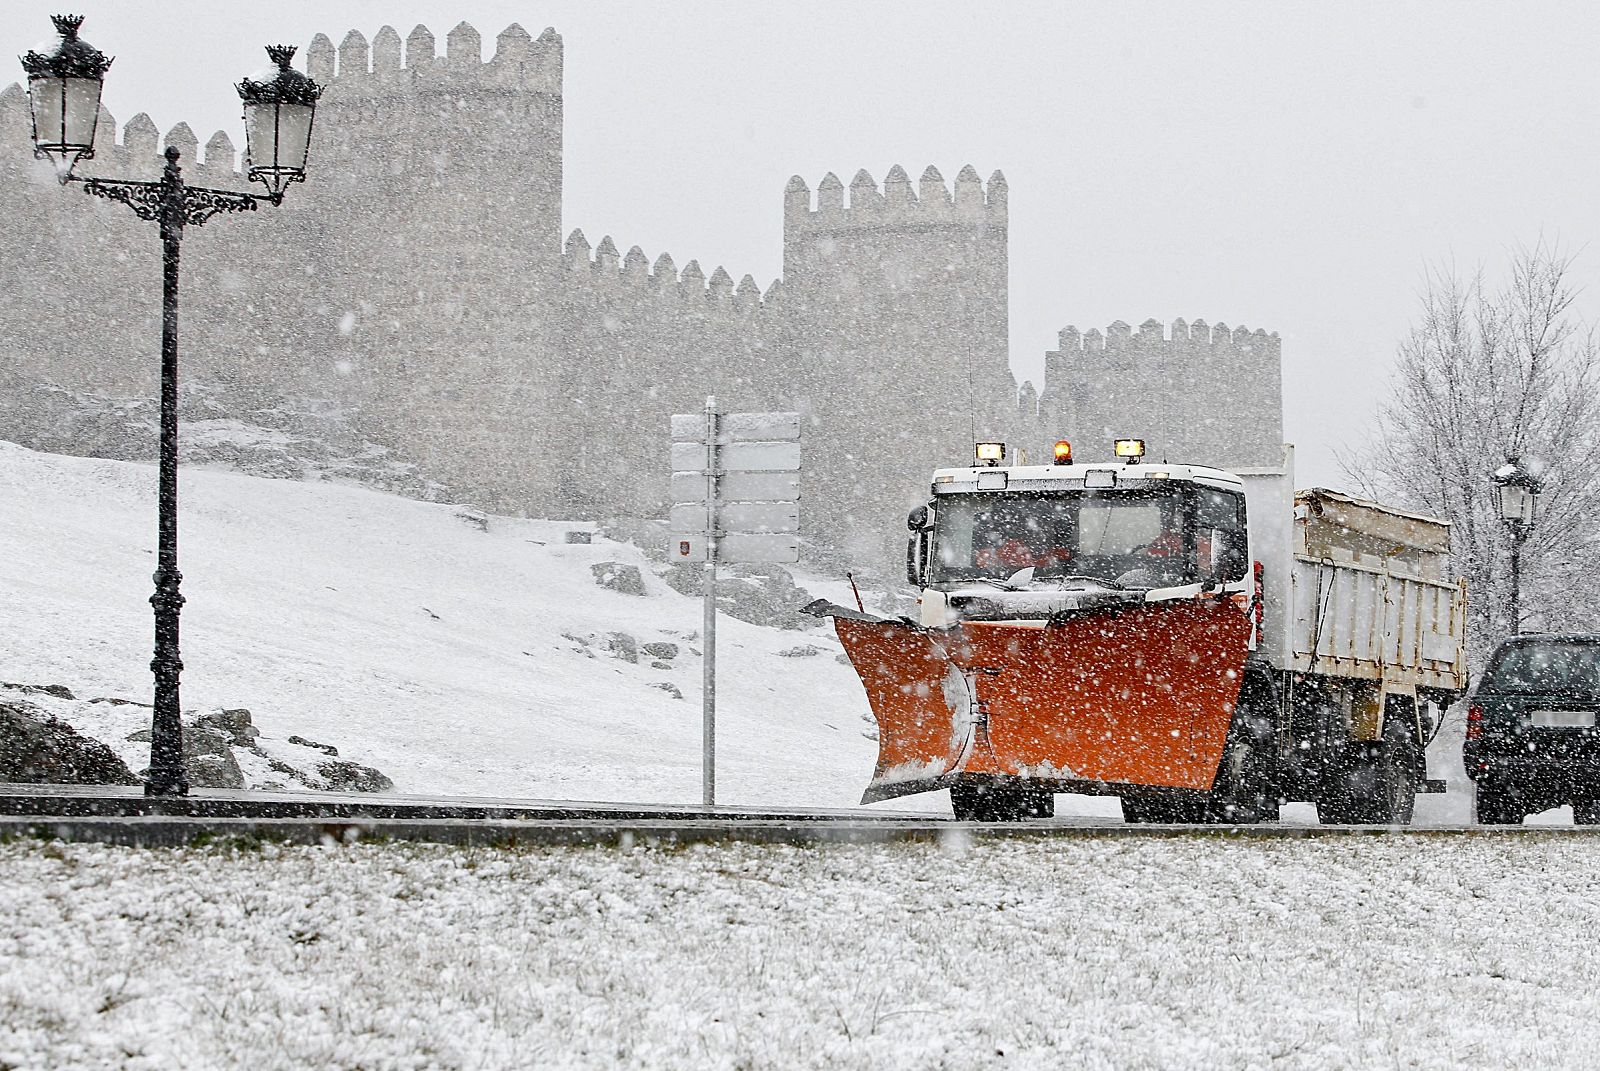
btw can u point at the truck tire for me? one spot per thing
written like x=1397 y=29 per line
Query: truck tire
x=1246 y=791
x=1164 y=810
x=1493 y=805
x=1001 y=802
x=1376 y=784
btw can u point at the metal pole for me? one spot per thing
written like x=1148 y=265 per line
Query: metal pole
x=708 y=747
x=1518 y=534
x=167 y=776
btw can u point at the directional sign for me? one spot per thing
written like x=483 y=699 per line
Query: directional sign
x=737 y=487
x=736 y=480
x=739 y=516
x=754 y=549
x=738 y=427
x=733 y=457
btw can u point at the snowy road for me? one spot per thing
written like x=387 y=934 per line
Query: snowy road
x=1401 y=951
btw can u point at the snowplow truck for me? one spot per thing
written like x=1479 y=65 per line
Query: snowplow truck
x=1205 y=644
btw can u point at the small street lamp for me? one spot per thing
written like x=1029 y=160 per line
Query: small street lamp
x=1517 y=493
x=64 y=92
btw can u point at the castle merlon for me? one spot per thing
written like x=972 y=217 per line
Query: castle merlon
x=1119 y=335
x=356 y=66
x=610 y=269
x=897 y=202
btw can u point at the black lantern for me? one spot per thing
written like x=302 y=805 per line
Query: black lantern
x=279 y=105
x=1517 y=491
x=64 y=92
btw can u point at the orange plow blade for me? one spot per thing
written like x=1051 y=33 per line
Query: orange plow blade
x=1141 y=695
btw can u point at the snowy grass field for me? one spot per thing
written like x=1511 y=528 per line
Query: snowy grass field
x=1408 y=951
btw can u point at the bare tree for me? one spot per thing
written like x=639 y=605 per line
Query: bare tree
x=1484 y=376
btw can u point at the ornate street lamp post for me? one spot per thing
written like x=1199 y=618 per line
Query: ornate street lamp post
x=64 y=92
x=1517 y=494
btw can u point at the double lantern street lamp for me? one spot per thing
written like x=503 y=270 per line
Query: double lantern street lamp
x=1517 y=494
x=64 y=91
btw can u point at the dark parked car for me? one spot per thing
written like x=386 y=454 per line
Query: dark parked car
x=1532 y=743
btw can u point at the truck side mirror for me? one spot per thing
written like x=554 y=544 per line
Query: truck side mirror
x=917 y=520
x=1235 y=559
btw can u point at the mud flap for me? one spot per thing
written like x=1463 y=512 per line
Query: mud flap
x=1141 y=695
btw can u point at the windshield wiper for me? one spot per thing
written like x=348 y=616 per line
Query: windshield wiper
x=1112 y=584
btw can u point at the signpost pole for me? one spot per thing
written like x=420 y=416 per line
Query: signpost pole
x=708 y=757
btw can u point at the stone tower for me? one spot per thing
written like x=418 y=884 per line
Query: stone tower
x=896 y=338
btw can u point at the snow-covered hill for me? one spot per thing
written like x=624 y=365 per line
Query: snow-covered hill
x=455 y=652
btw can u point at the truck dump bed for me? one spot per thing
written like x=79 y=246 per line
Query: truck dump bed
x=1370 y=599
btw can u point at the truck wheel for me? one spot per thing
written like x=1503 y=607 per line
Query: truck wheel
x=1398 y=762
x=1001 y=802
x=1492 y=805
x=1245 y=791
x=1376 y=784
x=1586 y=812
x=1166 y=810
x=968 y=802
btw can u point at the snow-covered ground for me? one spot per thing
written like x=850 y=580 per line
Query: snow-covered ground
x=452 y=658
x=1406 y=951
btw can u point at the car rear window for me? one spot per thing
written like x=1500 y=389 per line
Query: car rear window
x=1556 y=667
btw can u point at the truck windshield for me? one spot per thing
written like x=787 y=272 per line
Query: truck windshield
x=1137 y=537
x=1546 y=667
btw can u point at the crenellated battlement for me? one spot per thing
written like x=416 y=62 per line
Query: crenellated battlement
x=1120 y=336
x=610 y=272
x=896 y=205
x=359 y=67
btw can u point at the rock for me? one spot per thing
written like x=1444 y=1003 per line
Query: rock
x=618 y=577
x=760 y=594
x=58 y=691
x=660 y=649
x=475 y=518
x=140 y=736
x=353 y=777
x=208 y=757
x=327 y=749
x=580 y=537
x=842 y=659
x=660 y=665
x=669 y=688
x=35 y=747
x=120 y=702
x=623 y=646
x=234 y=723
x=805 y=650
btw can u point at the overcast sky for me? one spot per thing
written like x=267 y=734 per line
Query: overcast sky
x=1286 y=166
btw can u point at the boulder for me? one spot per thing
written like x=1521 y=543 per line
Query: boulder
x=623 y=646
x=208 y=760
x=353 y=777
x=35 y=747
x=328 y=749
x=235 y=723
x=661 y=649
x=57 y=691
x=760 y=594
x=618 y=577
